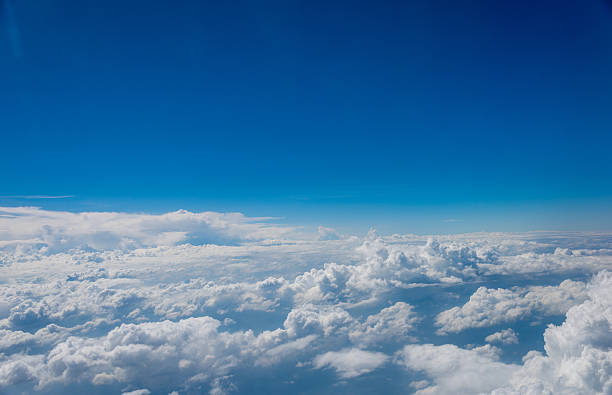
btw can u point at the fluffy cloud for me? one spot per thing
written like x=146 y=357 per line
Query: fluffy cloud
x=507 y=336
x=160 y=354
x=196 y=302
x=142 y=391
x=578 y=357
x=61 y=231
x=383 y=267
x=391 y=324
x=325 y=320
x=488 y=307
x=455 y=370
x=399 y=264
x=351 y=362
x=192 y=352
x=561 y=260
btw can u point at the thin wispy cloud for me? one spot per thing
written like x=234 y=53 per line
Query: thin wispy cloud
x=36 y=196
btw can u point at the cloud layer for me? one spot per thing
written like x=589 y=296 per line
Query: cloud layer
x=220 y=303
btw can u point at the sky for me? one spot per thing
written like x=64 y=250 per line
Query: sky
x=415 y=116
x=222 y=197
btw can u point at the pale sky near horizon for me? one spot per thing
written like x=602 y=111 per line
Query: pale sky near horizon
x=426 y=117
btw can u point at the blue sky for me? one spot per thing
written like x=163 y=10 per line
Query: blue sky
x=410 y=116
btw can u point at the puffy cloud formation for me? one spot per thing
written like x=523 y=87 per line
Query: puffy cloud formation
x=207 y=302
x=455 y=370
x=488 y=307
x=62 y=231
x=392 y=324
x=350 y=363
x=577 y=358
x=507 y=336
x=578 y=353
x=142 y=391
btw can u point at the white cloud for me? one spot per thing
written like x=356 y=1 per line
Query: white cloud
x=142 y=391
x=324 y=320
x=328 y=233
x=561 y=260
x=506 y=336
x=285 y=350
x=62 y=231
x=455 y=370
x=19 y=368
x=391 y=324
x=158 y=354
x=488 y=307
x=351 y=362
x=397 y=264
x=128 y=302
x=578 y=357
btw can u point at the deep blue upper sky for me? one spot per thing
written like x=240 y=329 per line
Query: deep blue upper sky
x=391 y=112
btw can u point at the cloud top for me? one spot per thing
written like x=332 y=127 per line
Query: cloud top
x=209 y=302
x=62 y=231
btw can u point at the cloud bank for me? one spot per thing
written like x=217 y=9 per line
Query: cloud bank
x=209 y=302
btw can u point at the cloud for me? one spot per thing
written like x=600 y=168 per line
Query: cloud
x=58 y=231
x=506 y=336
x=158 y=354
x=455 y=370
x=351 y=362
x=487 y=307
x=327 y=234
x=19 y=368
x=323 y=320
x=211 y=302
x=391 y=324
x=561 y=260
x=578 y=357
x=36 y=196
x=142 y=391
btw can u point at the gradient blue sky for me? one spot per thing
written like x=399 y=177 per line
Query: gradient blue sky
x=427 y=117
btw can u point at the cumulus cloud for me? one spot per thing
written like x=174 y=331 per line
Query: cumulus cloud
x=160 y=354
x=351 y=362
x=61 y=231
x=561 y=260
x=448 y=263
x=385 y=266
x=488 y=307
x=455 y=370
x=506 y=336
x=142 y=391
x=578 y=358
x=205 y=302
x=324 y=320
x=391 y=324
